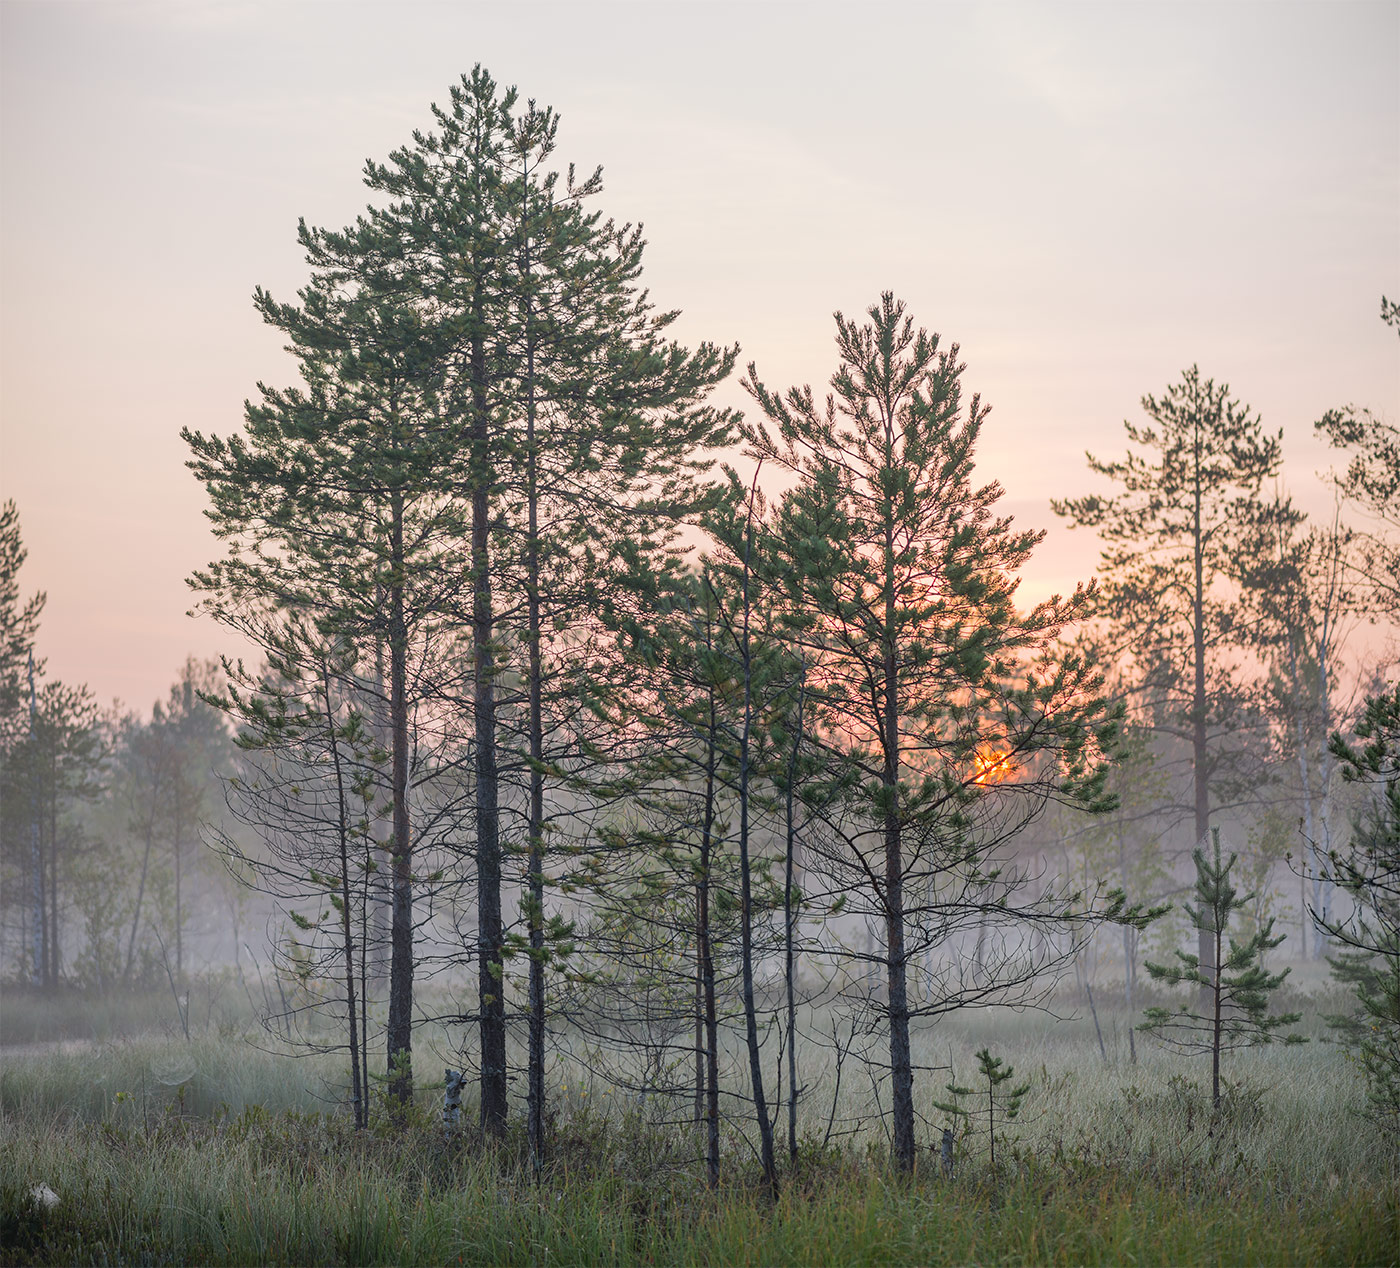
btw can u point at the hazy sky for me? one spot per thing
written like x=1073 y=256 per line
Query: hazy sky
x=1086 y=197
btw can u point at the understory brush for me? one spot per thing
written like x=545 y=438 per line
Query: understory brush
x=301 y=1186
x=159 y=1149
x=301 y=1189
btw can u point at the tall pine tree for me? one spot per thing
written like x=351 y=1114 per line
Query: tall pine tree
x=929 y=683
x=1171 y=565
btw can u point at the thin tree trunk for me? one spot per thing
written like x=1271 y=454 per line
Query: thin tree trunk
x=697 y=1114
x=382 y=898
x=1129 y=955
x=707 y=960
x=1094 y=1012
x=789 y=965
x=400 y=1027
x=368 y=889
x=535 y=881
x=765 y=1125
x=901 y=1064
x=1205 y=942
x=991 y=1123
x=1305 y=776
x=1321 y=886
x=490 y=931
x=37 y=933
x=140 y=899
x=177 y=855
x=54 y=967
x=347 y=936
x=1217 y=935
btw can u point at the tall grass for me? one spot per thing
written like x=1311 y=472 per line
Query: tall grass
x=216 y=1151
x=301 y=1190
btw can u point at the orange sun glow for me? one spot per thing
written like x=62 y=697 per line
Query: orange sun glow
x=991 y=765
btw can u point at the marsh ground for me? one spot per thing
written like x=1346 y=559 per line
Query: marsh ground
x=163 y=1149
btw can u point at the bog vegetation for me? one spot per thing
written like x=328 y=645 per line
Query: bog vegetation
x=697 y=792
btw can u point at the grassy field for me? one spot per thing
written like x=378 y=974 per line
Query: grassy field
x=214 y=1151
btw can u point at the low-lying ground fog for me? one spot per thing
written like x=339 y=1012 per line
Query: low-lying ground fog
x=122 y=1140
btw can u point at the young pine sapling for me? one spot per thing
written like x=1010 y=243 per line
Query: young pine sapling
x=999 y=1100
x=1235 y=987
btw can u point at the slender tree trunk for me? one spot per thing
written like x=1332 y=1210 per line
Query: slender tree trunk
x=150 y=833
x=1305 y=777
x=707 y=959
x=1321 y=886
x=991 y=1123
x=368 y=889
x=765 y=1124
x=347 y=934
x=39 y=942
x=54 y=967
x=1217 y=935
x=177 y=854
x=382 y=898
x=901 y=1064
x=535 y=881
x=1199 y=756
x=789 y=917
x=400 y=1027
x=1129 y=955
x=490 y=931
x=697 y=1115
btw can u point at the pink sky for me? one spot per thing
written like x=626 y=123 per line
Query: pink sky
x=1086 y=197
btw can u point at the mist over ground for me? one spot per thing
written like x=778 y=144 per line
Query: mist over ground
x=626 y=797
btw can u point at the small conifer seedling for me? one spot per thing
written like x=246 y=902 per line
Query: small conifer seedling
x=1000 y=1101
x=1235 y=988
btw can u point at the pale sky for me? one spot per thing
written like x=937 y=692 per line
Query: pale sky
x=1086 y=197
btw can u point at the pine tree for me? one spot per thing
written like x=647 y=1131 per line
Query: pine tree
x=1368 y=870
x=1234 y=982
x=1190 y=487
x=51 y=750
x=934 y=687
x=20 y=846
x=692 y=689
x=583 y=422
x=1302 y=600
x=332 y=506
x=995 y=1072
x=484 y=372
x=19 y=625
x=612 y=419
x=1372 y=481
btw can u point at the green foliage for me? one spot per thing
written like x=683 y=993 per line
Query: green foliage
x=1372 y=481
x=1187 y=489
x=999 y=1100
x=1237 y=985
x=956 y=715
x=1368 y=870
x=1189 y=486
x=51 y=750
x=19 y=625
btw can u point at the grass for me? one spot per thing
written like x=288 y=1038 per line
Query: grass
x=212 y=1151
x=79 y=1017
x=300 y=1189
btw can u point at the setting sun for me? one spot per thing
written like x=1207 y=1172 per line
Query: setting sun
x=991 y=765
